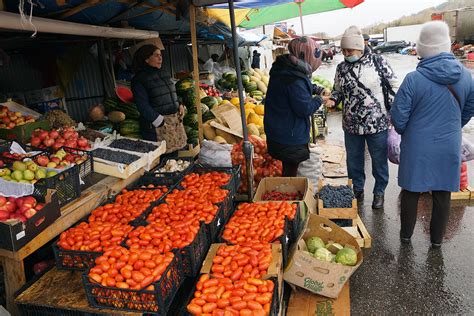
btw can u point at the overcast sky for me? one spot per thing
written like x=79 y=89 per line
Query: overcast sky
x=367 y=13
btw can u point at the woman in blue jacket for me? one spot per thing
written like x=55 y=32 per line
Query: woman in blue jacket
x=290 y=103
x=430 y=108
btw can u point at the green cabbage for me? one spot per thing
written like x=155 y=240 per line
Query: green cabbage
x=346 y=256
x=324 y=255
x=314 y=243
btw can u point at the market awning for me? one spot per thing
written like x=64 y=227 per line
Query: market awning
x=254 y=13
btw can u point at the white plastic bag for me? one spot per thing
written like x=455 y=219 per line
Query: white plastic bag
x=313 y=167
x=215 y=154
x=467 y=150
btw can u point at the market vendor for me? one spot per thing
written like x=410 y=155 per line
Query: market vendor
x=155 y=95
x=290 y=103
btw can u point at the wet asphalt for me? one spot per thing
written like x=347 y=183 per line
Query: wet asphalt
x=399 y=279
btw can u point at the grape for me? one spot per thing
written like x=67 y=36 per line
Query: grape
x=336 y=197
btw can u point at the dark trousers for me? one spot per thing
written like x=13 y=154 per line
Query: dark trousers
x=289 y=169
x=355 y=149
x=439 y=214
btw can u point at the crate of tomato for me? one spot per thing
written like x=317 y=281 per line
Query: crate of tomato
x=148 y=285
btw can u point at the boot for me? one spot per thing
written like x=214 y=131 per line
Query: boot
x=377 y=204
x=359 y=195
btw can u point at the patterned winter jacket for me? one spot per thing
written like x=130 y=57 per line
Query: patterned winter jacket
x=358 y=86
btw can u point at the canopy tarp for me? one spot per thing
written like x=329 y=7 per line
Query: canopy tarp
x=251 y=14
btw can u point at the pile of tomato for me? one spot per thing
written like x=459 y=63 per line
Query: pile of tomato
x=263 y=164
x=258 y=221
x=130 y=269
x=223 y=296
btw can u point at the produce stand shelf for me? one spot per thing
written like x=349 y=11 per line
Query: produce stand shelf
x=12 y=262
x=60 y=293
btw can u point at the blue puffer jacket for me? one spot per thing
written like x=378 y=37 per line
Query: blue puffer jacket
x=429 y=119
x=289 y=104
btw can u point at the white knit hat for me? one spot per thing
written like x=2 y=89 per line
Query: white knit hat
x=434 y=39
x=352 y=39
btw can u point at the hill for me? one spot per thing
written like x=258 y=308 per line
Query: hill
x=420 y=17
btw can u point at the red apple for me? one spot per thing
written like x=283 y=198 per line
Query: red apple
x=39 y=206
x=54 y=134
x=42 y=134
x=82 y=142
x=57 y=145
x=29 y=200
x=19 y=202
x=69 y=158
x=42 y=160
x=4 y=215
x=35 y=141
x=30 y=213
x=22 y=209
x=48 y=142
x=56 y=160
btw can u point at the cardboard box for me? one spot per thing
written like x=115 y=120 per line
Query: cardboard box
x=23 y=132
x=305 y=303
x=274 y=270
x=337 y=213
x=320 y=277
x=14 y=234
x=282 y=184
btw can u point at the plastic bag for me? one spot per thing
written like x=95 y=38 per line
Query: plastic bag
x=215 y=154
x=467 y=150
x=393 y=145
x=15 y=189
x=313 y=167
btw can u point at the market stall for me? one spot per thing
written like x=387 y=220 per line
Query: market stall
x=114 y=202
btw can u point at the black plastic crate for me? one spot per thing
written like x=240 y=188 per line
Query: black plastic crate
x=5 y=147
x=146 y=180
x=294 y=225
x=173 y=176
x=214 y=228
x=87 y=167
x=155 y=302
x=274 y=308
x=194 y=254
x=66 y=184
x=74 y=259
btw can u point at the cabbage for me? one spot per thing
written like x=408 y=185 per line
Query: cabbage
x=346 y=256
x=314 y=243
x=323 y=254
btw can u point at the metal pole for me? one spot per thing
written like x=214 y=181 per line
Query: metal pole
x=301 y=16
x=194 y=43
x=247 y=146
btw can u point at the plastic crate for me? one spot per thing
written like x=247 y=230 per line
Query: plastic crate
x=74 y=259
x=5 y=147
x=87 y=167
x=294 y=225
x=214 y=228
x=274 y=308
x=173 y=176
x=146 y=180
x=155 y=302
x=194 y=254
x=66 y=184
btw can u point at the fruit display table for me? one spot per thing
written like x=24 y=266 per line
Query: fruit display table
x=103 y=188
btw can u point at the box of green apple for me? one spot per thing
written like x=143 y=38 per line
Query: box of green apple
x=27 y=177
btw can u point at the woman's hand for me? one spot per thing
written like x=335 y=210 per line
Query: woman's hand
x=181 y=111
x=328 y=102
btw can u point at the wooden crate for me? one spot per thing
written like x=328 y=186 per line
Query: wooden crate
x=337 y=213
x=466 y=194
x=119 y=170
x=191 y=151
x=360 y=233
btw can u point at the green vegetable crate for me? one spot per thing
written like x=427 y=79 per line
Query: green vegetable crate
x=22 y=133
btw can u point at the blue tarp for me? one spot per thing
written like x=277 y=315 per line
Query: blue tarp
x=252 y=4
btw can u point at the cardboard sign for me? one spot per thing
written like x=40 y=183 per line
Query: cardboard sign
x=228 y=114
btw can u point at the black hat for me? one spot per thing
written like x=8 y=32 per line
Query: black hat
x=366 y=37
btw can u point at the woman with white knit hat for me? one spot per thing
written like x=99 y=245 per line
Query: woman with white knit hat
x=430 y=108
x=358 y=85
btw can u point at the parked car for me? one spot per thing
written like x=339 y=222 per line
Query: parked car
x=393 y=46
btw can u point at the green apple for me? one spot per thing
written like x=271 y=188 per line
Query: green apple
x=40 y=174
x=51 y=165
x=7 y=178
x=18 y=165
x=51 y=174
x=28 y=175
x=32 y=167
x=17 y=175
x=24 y=181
